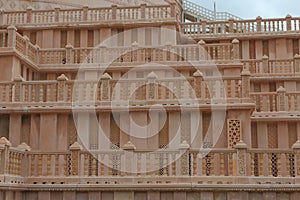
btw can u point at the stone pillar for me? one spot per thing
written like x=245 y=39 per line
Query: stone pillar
x=281 y=99
x=75 y=158
x=184 y=159
x=57 y=11
x=151 y=88
x=236 y=50
x=69 y=54
x=4 y=147
x=296 y=149
x=105 y=87
x=15 y=128
x=198 y=78
x=288 y=20
x=231 y=21
x=265 y=65
x=129 y=167
x=2 y=17
x=258 y=24
x=245 y=87
x=114 y=11
x=29 y=14
x=203 y=26
x=297 y=63
x=11 y=38
x=173 y=9
x=241 y=148
x=61 y=90
x=85 y=12
x=18 y=89
x=143 y=10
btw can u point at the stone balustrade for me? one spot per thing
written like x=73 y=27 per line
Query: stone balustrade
x=258 y=25
x=210 y=165
x=276 y=101
x=126 y=91
x=86 y=14
x=267 y=67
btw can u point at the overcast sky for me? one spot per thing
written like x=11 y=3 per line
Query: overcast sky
x=250 y=9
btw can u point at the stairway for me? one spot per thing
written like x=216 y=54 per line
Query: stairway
x=195 y=12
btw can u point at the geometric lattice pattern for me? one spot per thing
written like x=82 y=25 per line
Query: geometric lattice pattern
x=234 y=130
x=272 y=135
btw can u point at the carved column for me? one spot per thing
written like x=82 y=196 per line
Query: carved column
x=265 y=65
x=85 y=13
x=69 y=54
x=288 y=19
x=198 y=78
x=11 y=38
x=184 y=159
x=4 y=159
x=231 y=21
x=75 y=158
x=203 y=26
x=296 y=149
x=245 y=87
x=61 y=88
x=241 y=148
x=281 y=99
x=29 y=14
x=143 y=11
x=258 y=24
x=151 y=88
x=57 y=11
x=114 y=11
x=105 y=87
x=18 y=88
x=173 y=9
x=236 y=49
x=297 y=63
x=130 y=161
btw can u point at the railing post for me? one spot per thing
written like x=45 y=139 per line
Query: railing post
x=151 y=87
x=231 y=25
x=18 y=88
x=61 y=88
x=296 y=149
x=245 y=87
x=26 y=44
x=241 y=160
x=114 y=11
x=184 y=158
x=105 y=87
x=129 y=148
x=103 y=54
x=258 y=24
x=265 y=65
x=56 y=11
x=203 y=23
x=203 y=54
x=24 y=162
x=288 y=19
x=12 y=36
x=297 y=63
x=236 y=50
x=281 y=99
x=4 y=150
x=29 y=14
x=85 y=12
x=75 y=149
x=143 y=10
x=198 y=78
x=37 y=54
x=2 y=17
x=173 y=9
x=69 y=54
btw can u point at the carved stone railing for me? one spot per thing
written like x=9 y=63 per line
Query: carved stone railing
x=267 y=67
x=258 y=25
x=280 y=101
x=220 y=53
x=206 y=165
x=86 y=14
x=138 y=90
